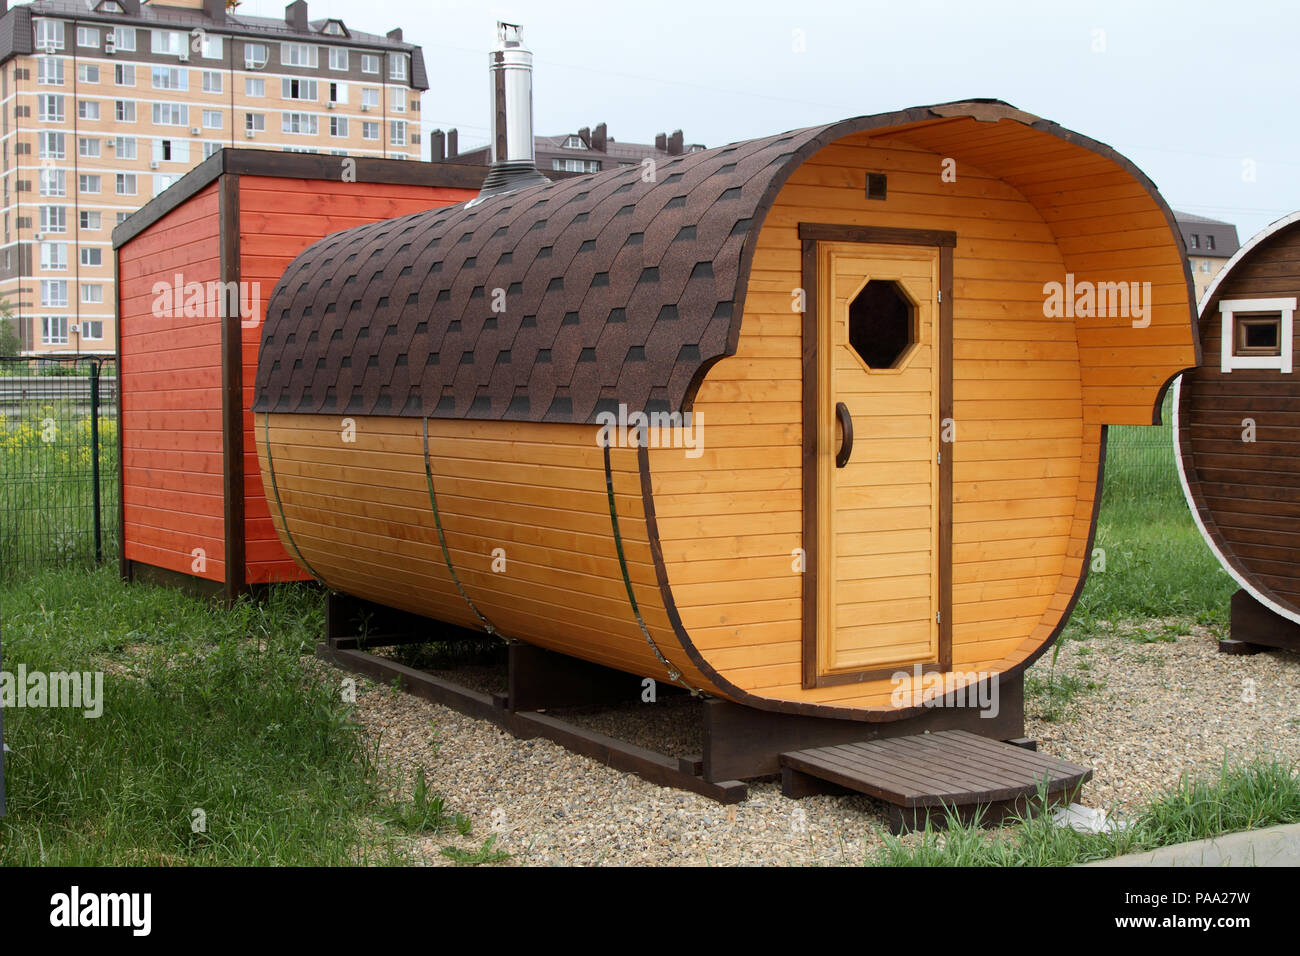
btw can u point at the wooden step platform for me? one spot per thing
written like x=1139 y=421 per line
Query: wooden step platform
x=925 y=775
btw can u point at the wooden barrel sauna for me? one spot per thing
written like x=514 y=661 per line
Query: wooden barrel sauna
x=1236 y=428
x=900 y=341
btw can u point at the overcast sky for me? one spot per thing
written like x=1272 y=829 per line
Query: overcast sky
x=1196 y=93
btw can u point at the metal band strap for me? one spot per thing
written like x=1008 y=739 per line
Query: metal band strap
x=673 y=673
x=275 y=491
x=442 y=540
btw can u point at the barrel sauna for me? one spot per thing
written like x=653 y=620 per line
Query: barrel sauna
x=1236 y=426
x=899 y=339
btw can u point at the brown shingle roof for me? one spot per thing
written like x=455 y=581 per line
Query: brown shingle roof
x=615 y=290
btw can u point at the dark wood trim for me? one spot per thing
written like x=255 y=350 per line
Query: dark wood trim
x=267 y=162
x=203 y=588
x=1258 y=626
x=232 y=395
x=837 y=232
x=808 y=335
x=944 y=241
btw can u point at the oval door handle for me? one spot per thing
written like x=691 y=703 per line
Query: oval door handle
x=846 y=444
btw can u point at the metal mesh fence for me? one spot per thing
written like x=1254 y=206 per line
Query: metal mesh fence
x=58 y=461
x=1140 y=462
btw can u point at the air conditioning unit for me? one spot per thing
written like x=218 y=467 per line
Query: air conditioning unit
x=365 y=107
x=184 y=56
x=153 y=164
x=195 y=130
x=49 y=47
x=75 y=328
x=329 y=105
x=38 y=237
x=110 y=44
x=112 y=144
x=248 y=133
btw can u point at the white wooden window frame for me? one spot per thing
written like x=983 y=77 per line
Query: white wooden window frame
x=1230 y=308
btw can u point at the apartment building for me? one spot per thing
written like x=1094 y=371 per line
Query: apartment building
x=1210 y=243
x=106 y=103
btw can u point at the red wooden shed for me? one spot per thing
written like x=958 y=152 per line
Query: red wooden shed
x=195 y=268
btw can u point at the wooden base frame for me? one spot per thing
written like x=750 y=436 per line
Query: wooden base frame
x=1255 y=628
x=739 y=742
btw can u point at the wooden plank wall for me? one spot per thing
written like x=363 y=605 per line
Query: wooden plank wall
x=1246 y=492
x=279 y=217
x=731 y=518
x=170 y=383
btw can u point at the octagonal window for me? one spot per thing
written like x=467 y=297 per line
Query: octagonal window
x=882 y=324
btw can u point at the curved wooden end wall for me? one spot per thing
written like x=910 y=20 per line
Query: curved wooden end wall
x=1246 y=495
x=1031 y=397
x=360 y=515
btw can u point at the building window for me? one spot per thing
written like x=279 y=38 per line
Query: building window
x=303 y=124
x=126 y=184
x=88 y=36
x=54 y=292
x=124 y=110
x=335 y=28
x=54 y=330
x=162 y=181
x=574 y=142
x=255 y=122
x=49 y=107
x=49 y=71
x=370 y=131
x=576 y=165
x=171 y=78
x=92 y=293
x=124 y=39
x=1205 y=265
x=88 y=73
x=54 y=182
x=124 y=74
x=369 y=63
x=171 y=114
x=295 y=89
x=338 y=92
x=369 y=99
x=49 y=35
x=211 y=81
x=1196 y=241
x=124 y=147
x=50 y=145
x=54 y=256
x=54 y=219
x=94 y=328
x=1257 y=334
x=338 y=126
x=88 y=109
x=212 y=119
x=168 y=42
x=92 y=257
x=90 y=220
x=88 y=147
x=397 y=133
x=88 y=183
x=298 y=54
x=213 y=47
x=338 y=58
x=397 y=100
x=1209 y=242
x=121 y=217
x=397 y=66
x=254 y=86
x=171 y=150
x=255 y=56
x=210 y=149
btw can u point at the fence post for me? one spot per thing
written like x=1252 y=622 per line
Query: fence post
x=94 y=458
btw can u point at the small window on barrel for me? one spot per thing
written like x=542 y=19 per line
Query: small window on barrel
x=1258 y=333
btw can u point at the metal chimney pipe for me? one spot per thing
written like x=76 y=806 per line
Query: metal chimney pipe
x=510 y=68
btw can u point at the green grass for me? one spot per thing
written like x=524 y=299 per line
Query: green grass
x=1244 y=797
x=206 y=709
x=1156 y=563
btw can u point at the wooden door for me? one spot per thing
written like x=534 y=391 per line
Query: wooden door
x=881 y=561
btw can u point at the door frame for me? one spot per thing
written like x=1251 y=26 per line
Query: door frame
x=810 y=234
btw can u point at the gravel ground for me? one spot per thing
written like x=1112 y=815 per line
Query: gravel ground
x=1151 y=706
